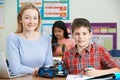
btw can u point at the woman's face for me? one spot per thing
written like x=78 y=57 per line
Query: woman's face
x=59 y=33
x=29 y=20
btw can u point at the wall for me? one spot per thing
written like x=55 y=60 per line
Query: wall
x=10 y=13
x=93 y=10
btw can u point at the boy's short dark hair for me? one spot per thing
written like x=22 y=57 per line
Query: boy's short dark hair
x=80 y=22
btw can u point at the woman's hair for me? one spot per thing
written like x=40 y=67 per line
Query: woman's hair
x=61 y=25
x=80 y=22
x=27 y=5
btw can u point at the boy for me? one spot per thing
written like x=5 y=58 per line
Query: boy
x=84 y=55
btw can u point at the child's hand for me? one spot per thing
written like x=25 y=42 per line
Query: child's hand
x=91 y=72
x=94 y=72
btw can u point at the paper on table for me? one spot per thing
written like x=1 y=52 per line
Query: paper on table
x=57 y=58
x=76 y=77
x=109 y=76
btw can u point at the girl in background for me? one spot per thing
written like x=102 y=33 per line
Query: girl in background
x=60 y=39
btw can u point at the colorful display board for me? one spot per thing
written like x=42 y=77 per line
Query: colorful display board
x=47 y=28
x=104 y=34
x=55 y=9
x=37 y=2
x=50 y=9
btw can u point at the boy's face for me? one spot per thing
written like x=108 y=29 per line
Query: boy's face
x=82 y=36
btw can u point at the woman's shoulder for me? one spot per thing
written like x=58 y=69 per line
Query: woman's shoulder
x=94 y=44
x=46 y=36
x=12 y=36
x=98 y=46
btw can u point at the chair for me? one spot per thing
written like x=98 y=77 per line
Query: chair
x=115 y=53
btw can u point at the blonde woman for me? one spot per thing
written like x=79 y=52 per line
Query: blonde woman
x=27 y=49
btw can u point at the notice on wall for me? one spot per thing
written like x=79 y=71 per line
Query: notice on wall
x=104 y=40
x=105 y=34
x=47 y=28
x=55 y=9
x=1 y=14
x=50 y=9
x=37 y=2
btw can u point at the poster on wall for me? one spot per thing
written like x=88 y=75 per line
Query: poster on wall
x=47 y=28
x=55 y=9
x=50 y=9
x=1 y=13
x=37 y=2
x=105 y=34
x=104 y=40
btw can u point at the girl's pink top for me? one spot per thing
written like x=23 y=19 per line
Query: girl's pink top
x=64 y=44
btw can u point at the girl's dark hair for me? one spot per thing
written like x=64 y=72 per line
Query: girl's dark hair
x=61 y=25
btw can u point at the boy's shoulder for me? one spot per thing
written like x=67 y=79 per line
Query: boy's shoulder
x=96 y=45
x=70 y=51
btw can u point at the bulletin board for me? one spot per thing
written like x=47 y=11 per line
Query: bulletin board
x=55 y=9
x=47 y=28
x=104 y=34
x=50 y=9
x=37 y=2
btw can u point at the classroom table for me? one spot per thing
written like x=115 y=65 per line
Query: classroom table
x=29 y=77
